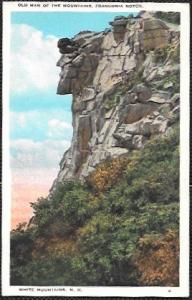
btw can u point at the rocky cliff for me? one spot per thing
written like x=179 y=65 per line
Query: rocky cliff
x=125 y=87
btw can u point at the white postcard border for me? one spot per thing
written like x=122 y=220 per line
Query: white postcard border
x=183 y=289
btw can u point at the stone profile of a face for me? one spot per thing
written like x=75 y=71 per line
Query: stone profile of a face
x=80 y=55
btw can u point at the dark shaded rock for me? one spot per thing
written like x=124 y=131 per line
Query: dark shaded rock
x=154 y=24
x=134 y=112
x=66 y=45
x=143 y=92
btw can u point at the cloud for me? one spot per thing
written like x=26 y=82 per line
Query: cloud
x=41 y=125
x=58 y=128
x=28 y=154
x=58 y=123
x=21 y=120
x=33 y=59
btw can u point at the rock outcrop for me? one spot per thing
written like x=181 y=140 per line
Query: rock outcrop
x=125 y=87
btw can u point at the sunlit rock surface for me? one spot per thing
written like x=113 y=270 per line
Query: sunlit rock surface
x=125 y=87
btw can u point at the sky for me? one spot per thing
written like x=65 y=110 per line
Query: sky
x=40 y=120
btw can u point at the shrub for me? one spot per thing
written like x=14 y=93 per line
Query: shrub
x=163 y=253
x=106 y=174
x=108 y=229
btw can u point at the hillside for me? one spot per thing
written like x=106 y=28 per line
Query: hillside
x=114 y=206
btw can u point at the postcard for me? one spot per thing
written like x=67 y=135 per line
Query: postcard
x=95 y=149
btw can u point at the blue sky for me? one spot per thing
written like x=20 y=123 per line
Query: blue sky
x=65 y=24
x=40 y=119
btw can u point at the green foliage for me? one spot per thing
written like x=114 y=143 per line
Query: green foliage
x=136 y=79
x=163 y=253
x=170 y=81
x=172 y=17
x=160 y=54
x=112 y=101
x=170 y=52
x=106 y=174
x=51 y=270
x=22 y=244
x=68 y=207
x=106 y=229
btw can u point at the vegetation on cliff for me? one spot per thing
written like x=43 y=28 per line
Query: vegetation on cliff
x=107 y=230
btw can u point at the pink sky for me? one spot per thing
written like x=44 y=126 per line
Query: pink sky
x=21 y=198
x=28 y=188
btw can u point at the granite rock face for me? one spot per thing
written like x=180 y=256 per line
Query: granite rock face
x=125 y=87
